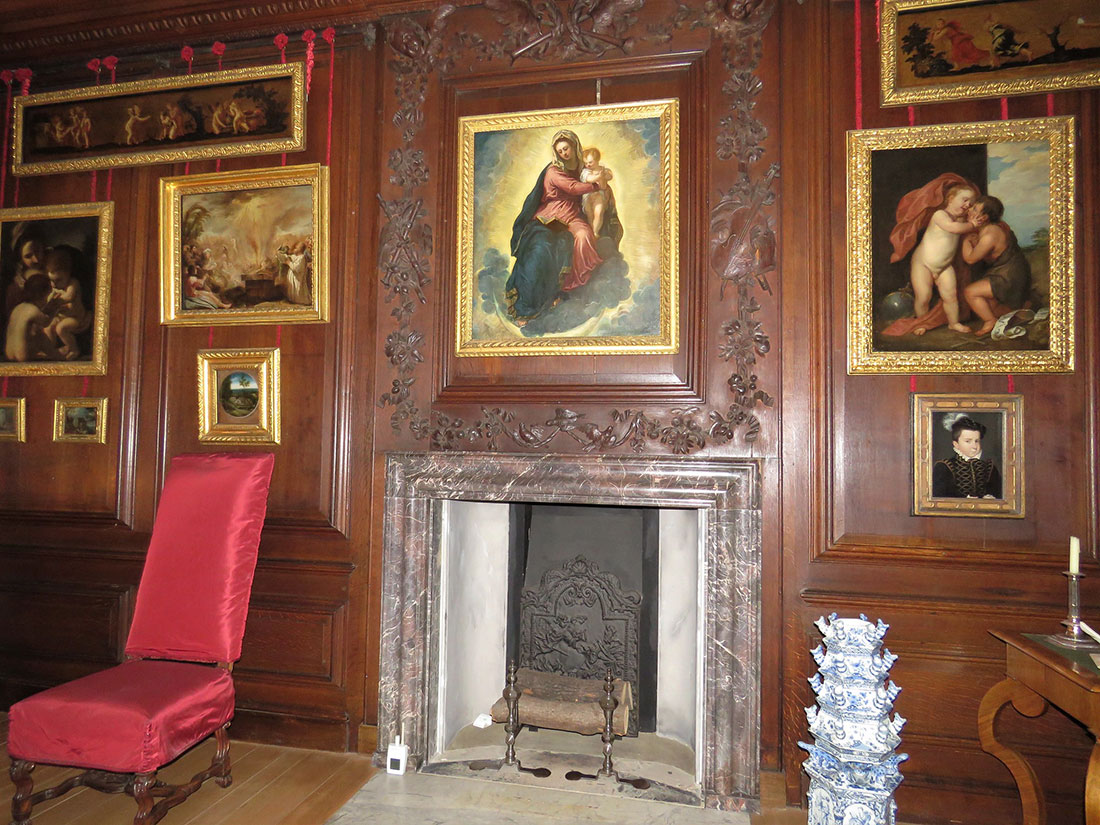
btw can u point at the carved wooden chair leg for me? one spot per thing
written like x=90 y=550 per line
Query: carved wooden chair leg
x=221 y=764
x=143 y=795
x=511 y=728
x=608 y=703
x=21 y=803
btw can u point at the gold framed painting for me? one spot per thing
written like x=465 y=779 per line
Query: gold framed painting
x=245 y=247
x=960 y=248
x=968 y=455
x=938 y=50
x=190 y=117
x=568 y=231
x=239 y=396
x=55 y=271
x=13 y=419
x=81 y=420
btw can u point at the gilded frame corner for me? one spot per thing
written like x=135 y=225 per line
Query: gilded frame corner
x=172 y=192
x=1008 y=410
x=999 y=82
x=61 y=407
x=262 y=365
x=665 y=339
x=863 y=357
x=104 y=249
x=239 y=144
x=18 y=432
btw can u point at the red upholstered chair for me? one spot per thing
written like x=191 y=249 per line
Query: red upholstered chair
x=175 y=689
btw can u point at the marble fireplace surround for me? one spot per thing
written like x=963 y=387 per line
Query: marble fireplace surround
x=725 y=491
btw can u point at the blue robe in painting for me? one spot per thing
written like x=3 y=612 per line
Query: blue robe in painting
x=544 y=253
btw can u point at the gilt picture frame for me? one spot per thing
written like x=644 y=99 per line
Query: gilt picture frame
x=1005 y=302
x=56 y=325
x=220 y=114
x=939 y=50
x=80 y=420
x=239 y=396
x=245 y=247
x=13 y=419
x=968 y=455
x=607 y=284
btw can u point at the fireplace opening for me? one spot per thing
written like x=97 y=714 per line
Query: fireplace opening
x=570 y=590
x=582 y=596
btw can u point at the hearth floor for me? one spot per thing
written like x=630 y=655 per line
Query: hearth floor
x=667 y=766
x=420 y=798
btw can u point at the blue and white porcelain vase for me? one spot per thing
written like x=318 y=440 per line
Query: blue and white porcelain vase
x=852 y=764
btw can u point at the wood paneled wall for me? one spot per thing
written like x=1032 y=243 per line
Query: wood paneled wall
x=759 y=84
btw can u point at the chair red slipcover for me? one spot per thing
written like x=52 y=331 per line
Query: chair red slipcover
x=191 y=606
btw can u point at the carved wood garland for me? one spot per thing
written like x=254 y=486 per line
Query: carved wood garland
x=742 y=236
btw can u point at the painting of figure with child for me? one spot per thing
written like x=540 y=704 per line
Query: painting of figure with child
x=936 y=50
x=959 y=248
x=568 y=231
x=245 y=247
x=238 y=112
x=55 y=272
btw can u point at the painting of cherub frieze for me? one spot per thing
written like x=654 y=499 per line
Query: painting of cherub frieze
x=961 y=247
x=245 y=247
x=214 y=114
x=568 y=231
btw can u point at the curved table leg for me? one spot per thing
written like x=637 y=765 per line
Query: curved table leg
x=1029 y=703
x=1092 y=787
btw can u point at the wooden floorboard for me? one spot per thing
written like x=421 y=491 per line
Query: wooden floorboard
x=271 y=786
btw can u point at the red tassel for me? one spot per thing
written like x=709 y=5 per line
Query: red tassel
x=1011 y=383
x=210 y=338
x=329 y=36
x=187 y=54
x=912 y=116
x=110 y=61
x=4 y=392
x=279 y=335
x=912 y=383
x=218 y=49
x=23 y=75
x=1050 y=104
x=1004 y=108
x=84 y=388
x=7 y=77
x=309 y=36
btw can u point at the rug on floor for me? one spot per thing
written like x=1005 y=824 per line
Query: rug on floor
x=426 y=799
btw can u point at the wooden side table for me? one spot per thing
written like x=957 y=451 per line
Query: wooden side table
x=1037 y=673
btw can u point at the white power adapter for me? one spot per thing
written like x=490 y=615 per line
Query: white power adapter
x=397 y=756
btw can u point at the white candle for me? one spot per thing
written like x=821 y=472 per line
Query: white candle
x=1074 y=554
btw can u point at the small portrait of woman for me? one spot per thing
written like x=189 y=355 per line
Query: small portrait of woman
x=968 y=471
x=968 y=455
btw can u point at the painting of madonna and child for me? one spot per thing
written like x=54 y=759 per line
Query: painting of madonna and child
x=237 y=112
x=55 y=272
x=960 y=248
x=245 y=247
x=567 y=239
x=936 y=50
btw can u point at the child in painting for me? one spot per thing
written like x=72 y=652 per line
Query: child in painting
x=966 y=474
x=26 y=338
x=71 y=316
x=932 y=264
x=595 y=203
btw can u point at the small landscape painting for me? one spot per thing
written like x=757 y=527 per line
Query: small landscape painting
x=936 y=50
x=80 y=419
x=13 y=419
x=239 y=396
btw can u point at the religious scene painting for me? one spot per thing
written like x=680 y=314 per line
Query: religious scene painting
x=960 y=248
x=568 y=231
x=968 y=455
x=13 y=419
x=245 y=247
x=239 y=396
x=55 y=276
x=215 y=114
x=81 y=420
x=937 y=50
